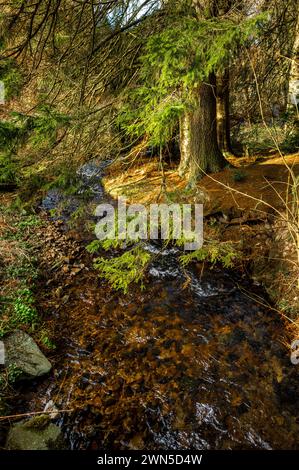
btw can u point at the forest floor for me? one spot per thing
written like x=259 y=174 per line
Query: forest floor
x=39 y=256
x=39 y=263
x=228 y=190
x=33 y=248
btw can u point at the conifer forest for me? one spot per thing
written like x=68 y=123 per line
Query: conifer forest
x=149 y=232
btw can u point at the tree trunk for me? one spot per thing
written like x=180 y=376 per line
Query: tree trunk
x=199 y=148
x=222 y=7
x=185 y=133
x=223 y=117
x=293 y=98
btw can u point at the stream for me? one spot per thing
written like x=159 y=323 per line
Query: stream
x=192 y=362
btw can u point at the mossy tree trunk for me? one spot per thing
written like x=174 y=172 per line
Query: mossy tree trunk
x=199 y=148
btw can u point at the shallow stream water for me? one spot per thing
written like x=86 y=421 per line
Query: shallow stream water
x=195 y=361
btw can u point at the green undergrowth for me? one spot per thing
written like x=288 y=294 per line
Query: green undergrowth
x=256 y=138
x=213 y=253
x=125 y=263
x=124 y=270
x=23 y=139
x=19 y=274
x=19 y=271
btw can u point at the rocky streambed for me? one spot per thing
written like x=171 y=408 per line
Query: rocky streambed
x=195 y=361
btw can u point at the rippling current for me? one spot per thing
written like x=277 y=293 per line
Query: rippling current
x=195 y=361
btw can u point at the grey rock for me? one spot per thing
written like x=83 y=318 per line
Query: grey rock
x=23 y=352
x=35 y=434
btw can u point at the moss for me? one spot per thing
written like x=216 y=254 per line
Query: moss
x=39 y=422
x=35 y=434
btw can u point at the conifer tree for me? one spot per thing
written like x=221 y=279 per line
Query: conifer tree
x=200 y=151
x=177 y=82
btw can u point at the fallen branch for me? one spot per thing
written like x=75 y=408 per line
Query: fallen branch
x=33 y=413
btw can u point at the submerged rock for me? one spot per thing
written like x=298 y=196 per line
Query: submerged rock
x=22 y=352
x=37 y=433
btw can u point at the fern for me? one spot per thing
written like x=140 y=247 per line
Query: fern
x=222 y=253
x=127 y=269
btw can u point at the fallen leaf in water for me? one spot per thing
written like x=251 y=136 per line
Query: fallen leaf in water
x=136 y=443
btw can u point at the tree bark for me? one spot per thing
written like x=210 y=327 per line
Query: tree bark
x=199 y=148
x=185 y=134
x=223 y=115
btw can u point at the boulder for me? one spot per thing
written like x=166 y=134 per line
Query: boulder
x=22 y=352
x=37 y=433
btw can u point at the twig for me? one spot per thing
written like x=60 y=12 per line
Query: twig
x=32 y=413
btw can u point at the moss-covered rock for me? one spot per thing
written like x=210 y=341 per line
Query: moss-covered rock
x=37 y=433
x=25 y=355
